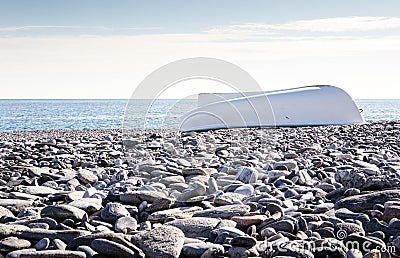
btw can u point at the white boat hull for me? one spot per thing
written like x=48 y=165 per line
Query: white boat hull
x=304 y=106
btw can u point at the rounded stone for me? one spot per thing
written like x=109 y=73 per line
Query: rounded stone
x=62 y=212
x=59 y=244
x=86 y=176
x=199 y=249
x=113 y=211
x=247 y=175
x=42 y=244
x=32 y=253
x=125 y=225
x=195 y=189
x=113 y=249
x=13 y=243
x=163 y=241
x=4 y=212
x=347 y=229
x=245 y=241
x=246 y=190
x=195 y=227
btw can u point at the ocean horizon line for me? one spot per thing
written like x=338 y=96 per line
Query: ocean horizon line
x=2 y=99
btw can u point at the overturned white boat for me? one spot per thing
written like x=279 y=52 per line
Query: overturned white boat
x=303 y=106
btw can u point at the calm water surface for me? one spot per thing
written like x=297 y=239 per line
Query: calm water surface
x=102 y=114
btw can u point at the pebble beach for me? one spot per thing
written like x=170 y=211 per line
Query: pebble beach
x=327 y=191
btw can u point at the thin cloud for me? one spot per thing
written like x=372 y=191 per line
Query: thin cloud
x=112 y=65
x=338 y=24
x=143 y=28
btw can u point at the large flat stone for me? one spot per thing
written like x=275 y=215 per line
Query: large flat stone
x=62 y=212
x=139 y=196
x=113 y=249
x=179 y=213
x=362 y=202
x=195 y=227
x=33 y=253
x=224 y=212
x=161 y=242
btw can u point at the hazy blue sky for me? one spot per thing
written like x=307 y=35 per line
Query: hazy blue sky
x=103 y=49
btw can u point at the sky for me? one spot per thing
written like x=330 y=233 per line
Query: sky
x=104 y=49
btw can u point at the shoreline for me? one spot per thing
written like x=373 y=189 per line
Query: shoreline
x=51 y=132
x=223 y=193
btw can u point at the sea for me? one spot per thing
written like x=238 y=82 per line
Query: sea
x=81 y=114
